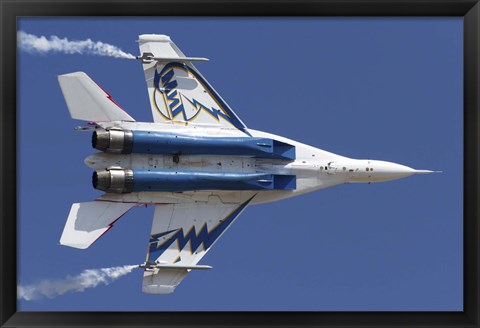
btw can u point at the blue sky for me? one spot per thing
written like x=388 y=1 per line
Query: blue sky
x=378 y=88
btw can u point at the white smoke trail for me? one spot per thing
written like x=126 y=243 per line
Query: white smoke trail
x=41 y=45
x=90 y=278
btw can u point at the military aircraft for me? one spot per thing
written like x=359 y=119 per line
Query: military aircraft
x=197 y=164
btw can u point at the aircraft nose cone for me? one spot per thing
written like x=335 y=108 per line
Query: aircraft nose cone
x=385 y=171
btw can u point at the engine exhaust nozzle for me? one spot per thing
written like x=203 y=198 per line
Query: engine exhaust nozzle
x=113 y=141
x=113 y=180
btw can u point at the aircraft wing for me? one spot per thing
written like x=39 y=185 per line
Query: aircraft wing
x=181 y=235
x=178 y=93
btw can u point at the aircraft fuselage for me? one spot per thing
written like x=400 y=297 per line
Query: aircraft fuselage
x=194 y=174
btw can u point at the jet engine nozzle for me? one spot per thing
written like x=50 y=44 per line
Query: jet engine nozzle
x=113 y=141
x=113 y=180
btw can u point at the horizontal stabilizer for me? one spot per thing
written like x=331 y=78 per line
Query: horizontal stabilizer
x=89 y=221
x=89 y=102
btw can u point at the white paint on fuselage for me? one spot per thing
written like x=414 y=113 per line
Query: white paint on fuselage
x=314 y=168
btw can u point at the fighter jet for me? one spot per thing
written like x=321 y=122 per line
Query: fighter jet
x=198 y=164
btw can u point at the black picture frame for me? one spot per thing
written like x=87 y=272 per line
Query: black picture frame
x=10 y=10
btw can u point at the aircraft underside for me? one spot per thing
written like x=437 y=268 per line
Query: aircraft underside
x=197 y=164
